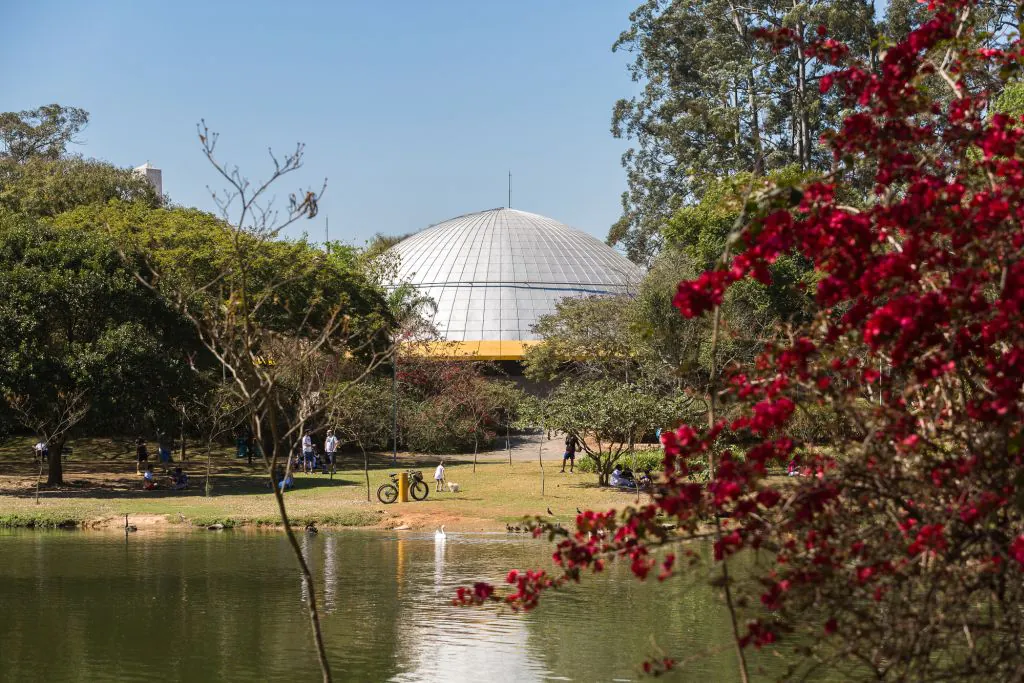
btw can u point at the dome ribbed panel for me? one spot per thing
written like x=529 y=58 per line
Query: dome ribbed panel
x=494 y=273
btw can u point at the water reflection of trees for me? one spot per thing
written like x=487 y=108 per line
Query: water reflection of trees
x=222 y=606
x=192 y=607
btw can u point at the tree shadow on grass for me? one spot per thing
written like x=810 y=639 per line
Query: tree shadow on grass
x=106 y=479
x=94 y=481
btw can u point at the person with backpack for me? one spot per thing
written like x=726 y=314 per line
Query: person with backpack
x=571 y=443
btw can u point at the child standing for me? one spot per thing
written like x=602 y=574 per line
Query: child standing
x=439 y=476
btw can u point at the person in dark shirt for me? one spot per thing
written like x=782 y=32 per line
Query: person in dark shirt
x=571 y=443
x=141 y=453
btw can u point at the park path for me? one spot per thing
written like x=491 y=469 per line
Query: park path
x=525 y=448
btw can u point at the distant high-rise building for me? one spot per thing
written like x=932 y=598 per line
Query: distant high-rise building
x=154 y=175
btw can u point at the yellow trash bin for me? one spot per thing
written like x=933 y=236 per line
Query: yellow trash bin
x=403 y=487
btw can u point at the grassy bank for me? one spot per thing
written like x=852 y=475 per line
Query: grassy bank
x=102 y=487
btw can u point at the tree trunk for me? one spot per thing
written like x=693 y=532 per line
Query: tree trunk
x=801 y=99
x=394 y=410
x=206 y=489
x=476 y=447
x=752 y=99
x=183 y=458
x=250 y=448
x=366 y=471
x=755 y=128
x=55 y=467
x=540 y=457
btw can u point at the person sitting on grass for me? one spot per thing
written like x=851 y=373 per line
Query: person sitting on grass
x=179 y=480
x=646 y=480
x=284 y=479
x=148 y=478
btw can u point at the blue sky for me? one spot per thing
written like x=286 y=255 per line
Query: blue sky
x=414 y=111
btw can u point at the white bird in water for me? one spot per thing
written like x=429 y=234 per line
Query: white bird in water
x=439 y=535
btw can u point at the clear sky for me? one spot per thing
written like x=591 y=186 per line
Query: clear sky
x=414 y=111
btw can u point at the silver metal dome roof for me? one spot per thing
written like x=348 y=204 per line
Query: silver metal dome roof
x=494 y=273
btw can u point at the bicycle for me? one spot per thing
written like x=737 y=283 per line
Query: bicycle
x=387 y=492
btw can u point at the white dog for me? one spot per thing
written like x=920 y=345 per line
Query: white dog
x=453 y=487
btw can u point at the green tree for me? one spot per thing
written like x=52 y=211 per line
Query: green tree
x=588 y=337
x=609 y=417
x=43 y=133
x=82 y=331
x=39 y=178
x=44 y=187
x=380 y=243
x=359 y=416
x=717 y=101
x=293 y=282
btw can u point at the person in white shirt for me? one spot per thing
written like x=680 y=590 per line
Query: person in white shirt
x=308 y=456
x=330 y=447
x=439 y=475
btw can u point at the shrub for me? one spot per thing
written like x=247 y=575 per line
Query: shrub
x=650 y=459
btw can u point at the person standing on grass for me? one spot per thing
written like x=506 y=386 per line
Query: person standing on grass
x=141 y=453
x=439 y=476
x=571 y=443
x=330 y=448
x=308 y=455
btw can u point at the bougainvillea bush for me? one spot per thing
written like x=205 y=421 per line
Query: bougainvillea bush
x=899 y=552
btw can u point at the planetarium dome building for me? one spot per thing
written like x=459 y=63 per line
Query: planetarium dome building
x=492 y=274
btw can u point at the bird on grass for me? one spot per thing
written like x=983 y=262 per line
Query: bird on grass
x=579 y=512
x=550 y=512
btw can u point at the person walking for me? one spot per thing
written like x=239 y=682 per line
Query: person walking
x=141 y=453
x=439 y=476
x=330 y=448
x=571 y=443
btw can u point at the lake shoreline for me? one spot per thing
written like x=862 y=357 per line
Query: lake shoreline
x=170 y=521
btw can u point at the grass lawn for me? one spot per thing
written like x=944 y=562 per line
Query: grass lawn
x=101 y=486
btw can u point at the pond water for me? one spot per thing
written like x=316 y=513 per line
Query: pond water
x=217 y=606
